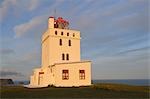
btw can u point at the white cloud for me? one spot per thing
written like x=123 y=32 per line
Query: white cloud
x=5 y=6
x=8 y=73
x=6 y=51
x=33 y=4
x=18 y=65
x=17 y=6
x=32 y=56
x=121 y=67
x=24 y=28
x=56 y=5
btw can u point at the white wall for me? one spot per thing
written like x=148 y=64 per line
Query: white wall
x=73 y=74
x=52 y=51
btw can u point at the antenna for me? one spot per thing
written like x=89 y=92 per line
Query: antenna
x=55 y=13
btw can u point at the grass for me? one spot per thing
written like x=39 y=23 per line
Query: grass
x=94 y=91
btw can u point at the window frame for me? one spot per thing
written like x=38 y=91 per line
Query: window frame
x=69 y=43
x=63 y=56
x=60 y=42
x=55 y=32
x=82 y=74
x=65 y=74
x=67 y=56
x=62 y=33
x=68 y=34
x=73 y=34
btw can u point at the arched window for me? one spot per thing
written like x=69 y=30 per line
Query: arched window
x=60 y=41
x=69 y=42
x=55 y=32
x=63 y=56
x=67 y=56
x=67 y=34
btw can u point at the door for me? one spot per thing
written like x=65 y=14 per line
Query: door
x=40 y=80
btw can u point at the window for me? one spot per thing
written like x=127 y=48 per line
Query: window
x=81 y=74
x=55 y=32
x=65 y=74
x=67 y=34
x=61 y=33
x=69 y=42
x=67 y=56
x=55 y=25
x=73 y=35
x=60 y=41
x=63 y=56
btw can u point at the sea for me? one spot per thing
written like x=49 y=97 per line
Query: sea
x=136 y=82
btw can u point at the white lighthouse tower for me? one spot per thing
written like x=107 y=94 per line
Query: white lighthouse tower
x=61 y=65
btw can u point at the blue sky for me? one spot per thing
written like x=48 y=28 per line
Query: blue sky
x=114 y=35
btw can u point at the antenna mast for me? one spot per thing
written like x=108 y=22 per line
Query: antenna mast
x=55 y=13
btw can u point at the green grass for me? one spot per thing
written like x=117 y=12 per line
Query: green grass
x=94 y=91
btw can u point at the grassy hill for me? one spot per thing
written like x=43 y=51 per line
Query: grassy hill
x=95 y=91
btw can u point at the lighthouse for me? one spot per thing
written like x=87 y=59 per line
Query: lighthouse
x=61 y=64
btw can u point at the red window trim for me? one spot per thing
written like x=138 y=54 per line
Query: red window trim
x=65 y=74
x=81 y=74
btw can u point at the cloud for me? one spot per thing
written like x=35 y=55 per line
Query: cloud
x=124 y=28
x=118 y=67
x=17 y=6
x=32 y=56
x=25 y=59
x=33 y=4
x=125 y=7
x=134 y=22
x=5 y=73
x=7 y=51
x=19 y=67
x=145 y=49
x=33 y=24
x=5 y=6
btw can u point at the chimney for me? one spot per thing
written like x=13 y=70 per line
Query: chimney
x=51 y=22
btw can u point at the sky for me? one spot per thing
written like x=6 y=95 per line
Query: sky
x=115 y=35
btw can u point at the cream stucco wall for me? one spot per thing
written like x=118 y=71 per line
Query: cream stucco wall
x=52 y=51
x=35 y=77
x=73 y=69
